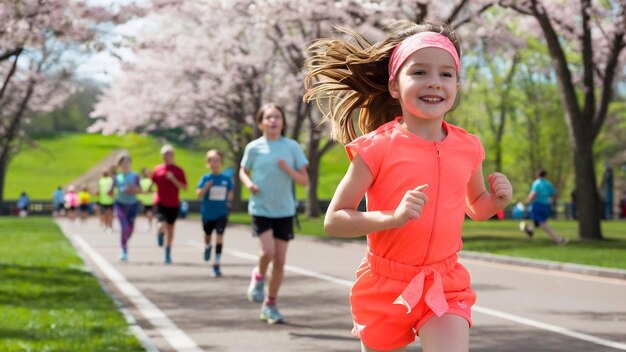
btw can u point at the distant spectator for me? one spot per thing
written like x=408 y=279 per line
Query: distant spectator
x=184 y=209
x=22 y=204
x=518 y=210
x=606 y=189
x=573 y=208
x=57 y=201
x=622 y=206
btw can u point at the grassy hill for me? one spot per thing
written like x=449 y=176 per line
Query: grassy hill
x=58 y=160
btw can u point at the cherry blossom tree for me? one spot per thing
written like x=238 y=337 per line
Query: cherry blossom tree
x=585 y=40
x=209 y=65
x=34 y=35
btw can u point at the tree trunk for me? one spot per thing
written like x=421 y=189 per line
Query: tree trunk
x=587 y=197
x=3 y=169
x=237 y=186
x=312 y=201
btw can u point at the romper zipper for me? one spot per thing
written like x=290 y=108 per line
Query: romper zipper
x=438 y=180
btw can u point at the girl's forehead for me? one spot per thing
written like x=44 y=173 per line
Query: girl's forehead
x=272 y=112
x=431 y=56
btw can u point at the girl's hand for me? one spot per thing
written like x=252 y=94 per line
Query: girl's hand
x=208 y=184
x=283 y=166
x=254 y=189
x=411 y=205
x=501 y=189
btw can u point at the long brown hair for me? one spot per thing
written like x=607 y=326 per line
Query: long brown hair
x=347 y=76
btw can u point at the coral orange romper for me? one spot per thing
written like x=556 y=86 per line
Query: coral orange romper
x=411 y=273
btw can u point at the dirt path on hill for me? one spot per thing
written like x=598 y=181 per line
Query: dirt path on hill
x=91 y=176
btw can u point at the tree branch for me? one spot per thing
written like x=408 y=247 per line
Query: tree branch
x=617 y=45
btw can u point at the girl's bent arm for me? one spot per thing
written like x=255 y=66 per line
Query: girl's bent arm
x=300 y=176
x=245 y=178
x=342 y=219
x=481 y=204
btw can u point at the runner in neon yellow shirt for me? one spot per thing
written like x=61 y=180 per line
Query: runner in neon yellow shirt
x=147 y=198
x=105 y=201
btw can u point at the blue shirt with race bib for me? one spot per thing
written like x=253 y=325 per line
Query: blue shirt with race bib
x=215 y=200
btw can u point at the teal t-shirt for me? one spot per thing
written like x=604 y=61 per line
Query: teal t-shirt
x=275 y=198
x=122 y=181
x=543 y=189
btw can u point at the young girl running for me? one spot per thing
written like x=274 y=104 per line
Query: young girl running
x=70 y=200
x=216 y=191
x=269 y=166
x=126 y=204
x=420 y=175
x=84 y=197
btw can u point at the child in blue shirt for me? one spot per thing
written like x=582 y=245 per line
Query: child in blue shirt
x=216 y=191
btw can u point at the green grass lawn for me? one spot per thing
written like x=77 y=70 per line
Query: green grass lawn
x=505 y=238
x=48 y=301
x=55 y=161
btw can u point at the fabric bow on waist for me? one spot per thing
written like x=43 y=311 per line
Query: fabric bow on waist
x=434 y=297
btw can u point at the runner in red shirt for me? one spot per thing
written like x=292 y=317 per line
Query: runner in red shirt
x=169 y=179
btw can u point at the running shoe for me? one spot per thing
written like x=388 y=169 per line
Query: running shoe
x=207 y=254
x=216 y=270
x=124 y=256
x=167 y=259
x=255 y=290
x=524 y=228
x=270 y=314
x=160 y=239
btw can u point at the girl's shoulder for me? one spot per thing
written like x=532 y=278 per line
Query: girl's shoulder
x=461 y=133
x=382 y=132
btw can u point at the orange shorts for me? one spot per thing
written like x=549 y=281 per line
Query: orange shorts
x=419 y=293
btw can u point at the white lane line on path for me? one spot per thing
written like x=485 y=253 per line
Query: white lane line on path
x=479 y=309
x=550 y=327
x=174 y=336
x=557 y=273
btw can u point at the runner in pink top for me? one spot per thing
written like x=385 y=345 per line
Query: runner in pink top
x=420 y=176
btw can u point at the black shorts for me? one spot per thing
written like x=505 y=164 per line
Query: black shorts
x=84 y=208
x=218 y=225
x=105 y=207
x=167 y=214
x=147 y=208
x=282 y=228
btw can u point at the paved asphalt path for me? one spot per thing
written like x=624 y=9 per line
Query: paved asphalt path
x=181 y=307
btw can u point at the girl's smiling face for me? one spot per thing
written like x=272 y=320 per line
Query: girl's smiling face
x=426 y=85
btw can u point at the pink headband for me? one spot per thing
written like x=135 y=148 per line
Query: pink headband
x=416 y=42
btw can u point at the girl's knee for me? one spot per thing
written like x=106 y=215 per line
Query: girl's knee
x=268 y=255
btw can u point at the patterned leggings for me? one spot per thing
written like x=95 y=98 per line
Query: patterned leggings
x=126 y=213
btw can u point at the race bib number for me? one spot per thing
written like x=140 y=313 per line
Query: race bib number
x=218 y=193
